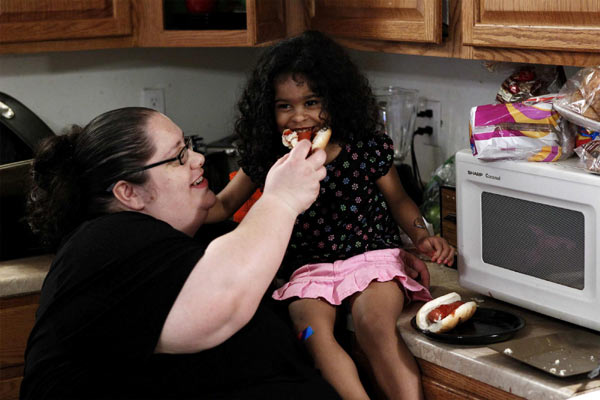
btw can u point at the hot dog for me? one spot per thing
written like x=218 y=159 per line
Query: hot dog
x=319 y=139
x=444 y=313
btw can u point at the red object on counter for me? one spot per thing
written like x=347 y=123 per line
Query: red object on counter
x=200 y=6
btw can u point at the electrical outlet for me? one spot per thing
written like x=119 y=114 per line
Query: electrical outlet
x=154 y=98
x=435 y=121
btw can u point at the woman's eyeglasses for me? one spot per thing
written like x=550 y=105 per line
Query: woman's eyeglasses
x=182 y=157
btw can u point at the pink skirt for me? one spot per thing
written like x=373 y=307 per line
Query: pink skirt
x=335 y=281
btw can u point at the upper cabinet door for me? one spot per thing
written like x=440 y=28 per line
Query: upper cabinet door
x=396 y=20
x=572 y=25
x=264 y=21
x=42 y=20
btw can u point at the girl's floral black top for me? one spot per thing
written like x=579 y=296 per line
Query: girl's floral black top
x=350 y=216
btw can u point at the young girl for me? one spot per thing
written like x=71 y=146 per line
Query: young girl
x=345 y=247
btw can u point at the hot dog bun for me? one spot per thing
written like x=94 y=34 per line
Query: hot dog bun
x=319 y=140
x=461 y=314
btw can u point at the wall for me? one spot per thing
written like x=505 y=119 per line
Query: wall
x=201 y=87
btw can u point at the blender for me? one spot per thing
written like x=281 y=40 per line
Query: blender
x=398 y=111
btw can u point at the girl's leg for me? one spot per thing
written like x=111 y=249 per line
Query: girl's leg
x=335 y=364
x=374 y=315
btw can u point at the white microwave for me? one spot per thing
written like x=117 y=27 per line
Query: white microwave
x=528 y=233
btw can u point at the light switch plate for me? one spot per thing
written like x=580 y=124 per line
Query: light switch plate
x=154 y=98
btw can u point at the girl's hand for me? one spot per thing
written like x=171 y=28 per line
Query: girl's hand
x=415 y=268
x=437 y=248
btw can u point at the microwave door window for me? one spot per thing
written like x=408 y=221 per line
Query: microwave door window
x=534 y=239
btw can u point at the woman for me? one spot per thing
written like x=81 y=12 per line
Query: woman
x=133 y=305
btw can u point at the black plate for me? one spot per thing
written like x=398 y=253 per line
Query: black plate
x=486 y=326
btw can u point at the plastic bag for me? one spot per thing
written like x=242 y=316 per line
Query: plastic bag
x=589 y=154
x=530 y=130
x=444 y=175
x=530 y=81
x=579 y=99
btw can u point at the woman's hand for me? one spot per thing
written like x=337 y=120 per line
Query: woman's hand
x=294 y=178
x=437 y=248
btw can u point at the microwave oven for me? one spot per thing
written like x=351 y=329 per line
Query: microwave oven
x=528 y=233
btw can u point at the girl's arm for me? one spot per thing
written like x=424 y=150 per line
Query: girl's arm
x=407 y=215
x=231 y=198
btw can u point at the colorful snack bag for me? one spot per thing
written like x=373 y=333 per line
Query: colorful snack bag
x=585 y=135
x=530 y=130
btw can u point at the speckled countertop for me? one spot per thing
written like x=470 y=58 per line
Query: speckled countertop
x=486 y=365
x=24 y=276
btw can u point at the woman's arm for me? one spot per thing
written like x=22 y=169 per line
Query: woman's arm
x=407 y=215
x=225 y=287
x=231 y=198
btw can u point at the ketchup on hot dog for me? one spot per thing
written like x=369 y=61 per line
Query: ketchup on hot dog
x=305 y=135
x=443 y=311
x=301 y=135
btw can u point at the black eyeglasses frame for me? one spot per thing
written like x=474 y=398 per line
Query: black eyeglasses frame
x=187 y=145
x=187 y=142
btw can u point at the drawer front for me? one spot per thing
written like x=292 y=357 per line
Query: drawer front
x=17 y=315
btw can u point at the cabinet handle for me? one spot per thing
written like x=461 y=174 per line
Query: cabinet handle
x=450 y=217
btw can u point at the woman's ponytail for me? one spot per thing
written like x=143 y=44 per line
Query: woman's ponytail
x=72 y=172
x=54 y=203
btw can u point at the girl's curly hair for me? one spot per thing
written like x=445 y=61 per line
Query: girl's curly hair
x=72 y=172
x=330 y=73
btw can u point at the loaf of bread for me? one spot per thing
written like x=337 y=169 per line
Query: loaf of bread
x=586 y=97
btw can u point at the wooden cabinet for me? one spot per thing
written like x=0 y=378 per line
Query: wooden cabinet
x=440 y=383
x=17 y=315
x=396 y=20
x=562 y=32
x=38 y=25
x=572 y=25
x=265 y=22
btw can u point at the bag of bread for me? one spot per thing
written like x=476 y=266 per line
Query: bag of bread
x=579 y=99
x=530 y=130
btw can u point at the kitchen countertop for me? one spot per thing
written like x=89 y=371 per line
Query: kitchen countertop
x=486 y=365
x=25 y=276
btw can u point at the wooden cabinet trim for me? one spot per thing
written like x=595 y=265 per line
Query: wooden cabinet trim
x=117 y=23
x=558 y=38
x=493 y=32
